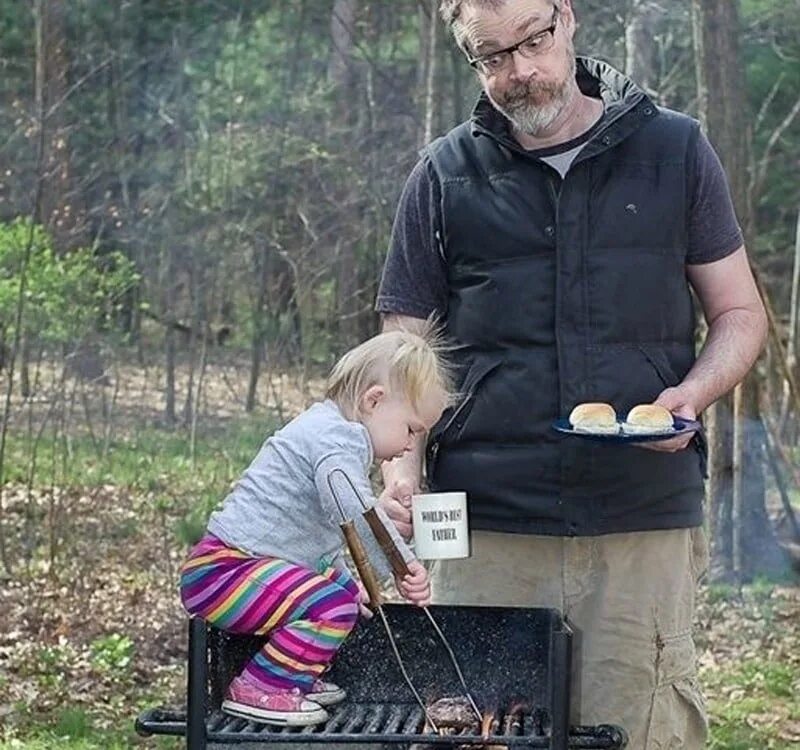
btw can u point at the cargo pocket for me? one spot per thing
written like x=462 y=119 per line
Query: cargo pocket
x=678 y=714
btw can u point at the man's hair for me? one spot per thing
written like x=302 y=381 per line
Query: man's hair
x=450 y=11
x=398 y=360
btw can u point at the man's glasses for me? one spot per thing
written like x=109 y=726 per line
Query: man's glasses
x=532 y=46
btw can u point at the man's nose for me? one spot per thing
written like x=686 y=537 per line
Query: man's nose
x=522 y=68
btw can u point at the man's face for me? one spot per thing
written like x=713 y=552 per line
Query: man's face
x=532 y=85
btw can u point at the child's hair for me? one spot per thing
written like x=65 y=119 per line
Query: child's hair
x=412 y=363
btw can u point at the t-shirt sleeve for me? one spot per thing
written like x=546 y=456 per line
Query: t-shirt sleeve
x=414 y=280
x=714 y=232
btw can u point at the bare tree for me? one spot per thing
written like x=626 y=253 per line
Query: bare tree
x=640 y=51
x=432 y=72
x=342 y=76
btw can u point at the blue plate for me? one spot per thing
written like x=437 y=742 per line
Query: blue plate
x=681 y=426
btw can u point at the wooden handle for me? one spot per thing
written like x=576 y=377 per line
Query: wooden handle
x=387 y=544
x=363 y=565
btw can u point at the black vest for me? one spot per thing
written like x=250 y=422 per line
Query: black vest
x=563 y=292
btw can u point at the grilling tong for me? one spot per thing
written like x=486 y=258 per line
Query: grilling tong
x=370 y=581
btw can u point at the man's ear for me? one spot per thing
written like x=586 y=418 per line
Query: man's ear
x=568 y=15
x=371 y=398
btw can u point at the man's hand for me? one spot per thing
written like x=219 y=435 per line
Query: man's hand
x=679 y=401
x=415 y=586
x=396 y=503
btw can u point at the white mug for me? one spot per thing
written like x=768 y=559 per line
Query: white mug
x=441 y=531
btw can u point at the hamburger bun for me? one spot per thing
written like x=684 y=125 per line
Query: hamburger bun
x=648 y=419
x=596 y=418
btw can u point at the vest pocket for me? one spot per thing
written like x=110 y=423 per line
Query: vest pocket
x=452 y=423
x=660 y=363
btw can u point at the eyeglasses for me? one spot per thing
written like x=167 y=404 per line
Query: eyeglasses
x=532 y=46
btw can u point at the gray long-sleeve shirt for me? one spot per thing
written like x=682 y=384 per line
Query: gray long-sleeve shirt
x=282 y=505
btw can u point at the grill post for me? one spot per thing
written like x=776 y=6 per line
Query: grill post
x=560 y=673
x=197 y=685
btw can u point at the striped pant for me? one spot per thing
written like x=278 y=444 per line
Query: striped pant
x=306 y=615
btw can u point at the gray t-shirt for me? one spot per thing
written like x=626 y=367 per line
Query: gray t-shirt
x=414 y=279
x=282 y=505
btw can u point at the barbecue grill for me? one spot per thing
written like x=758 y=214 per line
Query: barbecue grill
x=513 y=658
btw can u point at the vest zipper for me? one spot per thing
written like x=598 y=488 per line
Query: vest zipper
x=470 y=395
x=440 y=245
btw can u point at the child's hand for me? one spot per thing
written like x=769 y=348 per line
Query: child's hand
x=415 y=585
x=363 y=598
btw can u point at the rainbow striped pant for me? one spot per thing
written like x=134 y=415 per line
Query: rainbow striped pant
x=306 y=615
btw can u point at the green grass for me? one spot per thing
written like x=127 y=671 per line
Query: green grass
x=149 y=461
x=77 y=729
x=49 y=740
x=748 y=703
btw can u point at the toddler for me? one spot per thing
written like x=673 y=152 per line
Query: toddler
x=271 y=561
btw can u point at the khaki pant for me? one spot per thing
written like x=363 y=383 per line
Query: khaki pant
x=630 y=600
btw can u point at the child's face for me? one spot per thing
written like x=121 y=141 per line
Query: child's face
x=393 y=423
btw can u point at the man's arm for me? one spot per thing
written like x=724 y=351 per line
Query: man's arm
x=402 y=476
x=737 y=332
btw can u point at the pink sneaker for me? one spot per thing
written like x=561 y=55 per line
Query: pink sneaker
x=326 y=693
x=287 y=708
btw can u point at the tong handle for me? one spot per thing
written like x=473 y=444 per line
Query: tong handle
x=362 y=563
x=387 y=544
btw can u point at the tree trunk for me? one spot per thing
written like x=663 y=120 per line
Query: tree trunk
x=261 y=265
x=760 y=552
x=168 y=291
x=58 y=211
x=341 y=76
x=724 y=109
x=640 y=51
x=791 y=341
x=724 y=112
x=197 y=332
x=719 y=489
x=432 y=74
x=170 y=287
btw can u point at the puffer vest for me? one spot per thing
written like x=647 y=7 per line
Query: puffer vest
x=561 y=292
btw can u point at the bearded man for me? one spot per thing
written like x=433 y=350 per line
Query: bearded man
x=558 y=234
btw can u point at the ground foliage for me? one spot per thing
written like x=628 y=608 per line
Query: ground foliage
x=84 y=647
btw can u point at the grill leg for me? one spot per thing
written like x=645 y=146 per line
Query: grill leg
x=197 y=686
x=560 y=668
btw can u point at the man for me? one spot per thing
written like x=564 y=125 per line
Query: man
x=555 y=233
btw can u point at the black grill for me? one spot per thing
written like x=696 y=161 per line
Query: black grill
x=513 y=659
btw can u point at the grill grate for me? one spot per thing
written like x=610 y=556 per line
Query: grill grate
x=367 y=722
x=376 y=723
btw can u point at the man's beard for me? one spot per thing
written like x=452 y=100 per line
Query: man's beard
x=533 y=106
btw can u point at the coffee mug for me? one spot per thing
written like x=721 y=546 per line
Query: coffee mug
x=441 y=531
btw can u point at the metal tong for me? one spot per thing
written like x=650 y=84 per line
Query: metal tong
x=370 y=581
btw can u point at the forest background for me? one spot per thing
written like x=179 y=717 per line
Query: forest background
x=195 y=204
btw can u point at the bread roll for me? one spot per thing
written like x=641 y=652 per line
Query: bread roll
x=648 y=419
x=596 y=418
